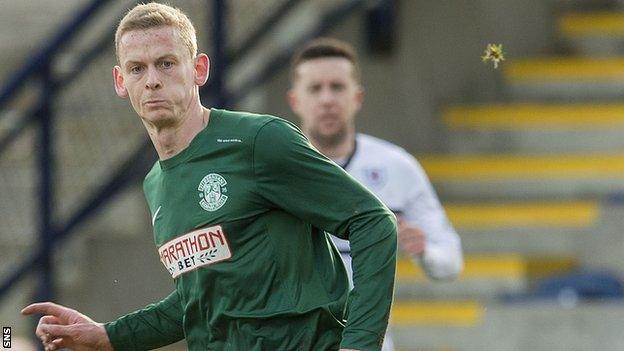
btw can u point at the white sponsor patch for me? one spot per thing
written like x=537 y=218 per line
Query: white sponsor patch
x=195 y=249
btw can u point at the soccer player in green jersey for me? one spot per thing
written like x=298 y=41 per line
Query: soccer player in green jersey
x=240 y=205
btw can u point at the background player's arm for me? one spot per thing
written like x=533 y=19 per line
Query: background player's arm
x=295 y=177
x=442 y=257
x=154 y=326
x=411 y=238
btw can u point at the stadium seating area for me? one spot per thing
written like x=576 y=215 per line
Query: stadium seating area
x=531 y=185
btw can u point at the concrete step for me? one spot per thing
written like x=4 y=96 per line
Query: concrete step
x=535 y=127
x=536 y=326
x=596 y=33
x=485 y=276
x=523 y=215
x=523 y=241
x=565 y=78
x=444 y=313
x=587 y=230
x=512 y=176
x=530 y=116
x=528 y=228
x=493 y=267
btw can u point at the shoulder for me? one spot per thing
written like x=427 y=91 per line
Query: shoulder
x=271 y=139
x=152 y=175
x=371 y=142
x=385 y=151
x=151 y=180
x=247 y=121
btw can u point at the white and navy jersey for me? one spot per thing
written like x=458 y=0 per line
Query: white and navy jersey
x=399 y=181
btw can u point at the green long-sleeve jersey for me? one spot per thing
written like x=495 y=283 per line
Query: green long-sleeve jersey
x=240 y=220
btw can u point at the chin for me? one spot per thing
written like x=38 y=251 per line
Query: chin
x=332 y=133
x=160 y=119
x=329 y=138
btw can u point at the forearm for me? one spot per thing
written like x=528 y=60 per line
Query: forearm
x=154 y=326
x=374 y=263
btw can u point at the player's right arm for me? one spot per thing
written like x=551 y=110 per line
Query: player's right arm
x=62 y=327
x=152 y=327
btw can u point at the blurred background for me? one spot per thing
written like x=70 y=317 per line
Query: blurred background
x=527 y=159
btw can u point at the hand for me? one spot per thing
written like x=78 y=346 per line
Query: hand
x=411 y=238
x=62 y=327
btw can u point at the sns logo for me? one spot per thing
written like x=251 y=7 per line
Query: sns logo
x=6 y=337
x=212 y=192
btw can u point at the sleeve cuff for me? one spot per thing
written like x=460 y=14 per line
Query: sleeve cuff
x=362 y=340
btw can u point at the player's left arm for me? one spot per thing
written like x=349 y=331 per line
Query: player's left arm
x=439 y=251
x=294 y=176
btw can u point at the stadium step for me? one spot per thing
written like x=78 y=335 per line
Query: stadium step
x=545 y=325
x=535 y=127
x=527 y=227
x=485 y=276
x=453 y=313
x=494 y=266
x=511 y=176
x=599 y=33
x=565 y=78
x=543 y=214
x=529 y=116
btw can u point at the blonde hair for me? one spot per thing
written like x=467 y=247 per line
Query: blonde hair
x=152 y=15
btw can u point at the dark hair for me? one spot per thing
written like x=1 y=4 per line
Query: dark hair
x=325 y=47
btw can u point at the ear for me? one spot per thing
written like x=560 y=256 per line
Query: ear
x=202 y=69
x=120 y=87
x=293 y=101
x=359 y=97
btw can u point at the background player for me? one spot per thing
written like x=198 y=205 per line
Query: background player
x=326 y=95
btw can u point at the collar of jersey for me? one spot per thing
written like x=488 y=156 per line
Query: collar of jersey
x=184 y=155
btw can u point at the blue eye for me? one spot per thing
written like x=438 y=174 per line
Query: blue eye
x=167 y=64
x=136 y=69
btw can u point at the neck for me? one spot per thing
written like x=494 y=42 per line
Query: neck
x=170 y=140
x=337 y=150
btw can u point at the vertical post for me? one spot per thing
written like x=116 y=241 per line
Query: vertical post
x=46 y=184
x=381 y=27
x=218 y=71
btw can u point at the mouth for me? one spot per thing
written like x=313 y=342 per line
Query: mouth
x=154 y=102
x=329 y=119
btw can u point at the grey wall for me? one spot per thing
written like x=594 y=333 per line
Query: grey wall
x=437 y=62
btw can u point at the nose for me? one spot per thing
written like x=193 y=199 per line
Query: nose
x=152 y=79
x=326 y=96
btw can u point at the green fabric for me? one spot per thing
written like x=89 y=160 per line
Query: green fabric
x=150 y=328
x=240 y=221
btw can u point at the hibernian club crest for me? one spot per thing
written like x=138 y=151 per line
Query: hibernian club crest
x=212 y=192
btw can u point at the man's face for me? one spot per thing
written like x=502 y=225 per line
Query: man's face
x=158 y=74
x=326 y=96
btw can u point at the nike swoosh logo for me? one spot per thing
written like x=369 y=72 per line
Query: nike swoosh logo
x=155 y=214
